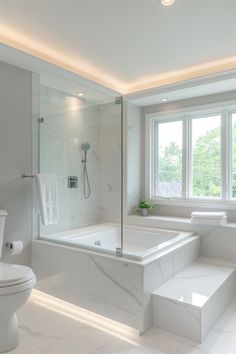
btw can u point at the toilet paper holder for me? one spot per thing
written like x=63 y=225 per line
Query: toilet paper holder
x=14 y=247
x=9 y=245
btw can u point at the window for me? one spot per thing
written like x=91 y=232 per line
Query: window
x=192 y=156
x=233 y=146
x=168 y=160
x=206 y=157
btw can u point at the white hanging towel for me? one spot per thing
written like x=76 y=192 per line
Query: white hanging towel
x=48 y=198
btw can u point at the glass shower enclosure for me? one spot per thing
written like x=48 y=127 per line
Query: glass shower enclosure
x=81 y=145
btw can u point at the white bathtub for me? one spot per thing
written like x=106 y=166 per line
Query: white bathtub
x=139 y=242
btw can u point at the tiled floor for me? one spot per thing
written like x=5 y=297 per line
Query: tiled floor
x=51 y=327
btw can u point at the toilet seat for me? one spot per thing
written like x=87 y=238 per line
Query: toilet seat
x=14 y=278
x=14 y=289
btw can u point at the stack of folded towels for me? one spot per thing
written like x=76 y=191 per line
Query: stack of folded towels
x=209 y=218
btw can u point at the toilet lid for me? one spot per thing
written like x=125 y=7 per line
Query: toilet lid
x=12 y=274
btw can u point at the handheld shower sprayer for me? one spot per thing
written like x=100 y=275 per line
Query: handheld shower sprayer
x=85 y=147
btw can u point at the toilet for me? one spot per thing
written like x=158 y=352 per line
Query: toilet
x=16 y=283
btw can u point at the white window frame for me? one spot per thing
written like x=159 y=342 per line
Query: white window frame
x=191 y=117
x=229 y=147
x=225 y=109
x=155 y=142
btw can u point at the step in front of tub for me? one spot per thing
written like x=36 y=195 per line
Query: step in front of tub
x=190 y=303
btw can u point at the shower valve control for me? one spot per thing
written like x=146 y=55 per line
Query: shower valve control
x=73 y=182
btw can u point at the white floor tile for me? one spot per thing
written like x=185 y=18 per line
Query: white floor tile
x=27 y=349
x=44 y=331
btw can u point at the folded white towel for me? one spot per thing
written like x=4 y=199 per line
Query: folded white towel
x=204 y=221
x=209 y=215
x=48 y=198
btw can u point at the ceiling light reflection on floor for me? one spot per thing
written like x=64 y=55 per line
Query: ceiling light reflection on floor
x=167 y=2
x=86 y=317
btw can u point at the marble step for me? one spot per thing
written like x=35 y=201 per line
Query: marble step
x=190 y=303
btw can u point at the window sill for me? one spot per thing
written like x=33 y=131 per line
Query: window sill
x=169 y=222
x=200 y=203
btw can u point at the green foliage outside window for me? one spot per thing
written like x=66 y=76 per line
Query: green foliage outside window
x=206 y=164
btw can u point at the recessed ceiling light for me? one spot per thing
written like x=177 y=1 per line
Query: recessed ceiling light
x=68 y=97
x=80 y=94
x=167 y=2
x=164 y=99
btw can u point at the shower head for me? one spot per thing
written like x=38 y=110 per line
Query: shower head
x=85 y=146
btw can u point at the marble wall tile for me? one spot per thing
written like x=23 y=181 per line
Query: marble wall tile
x=109 y=206
x=219 y=242
x=135 y=157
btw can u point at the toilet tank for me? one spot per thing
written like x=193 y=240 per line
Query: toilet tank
x=3 y=215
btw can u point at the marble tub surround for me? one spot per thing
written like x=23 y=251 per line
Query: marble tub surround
x=114 y=287
x=198 y=295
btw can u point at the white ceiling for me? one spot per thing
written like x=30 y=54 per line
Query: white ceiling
x=125 y=44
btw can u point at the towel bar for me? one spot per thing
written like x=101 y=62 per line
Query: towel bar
x=32 y=176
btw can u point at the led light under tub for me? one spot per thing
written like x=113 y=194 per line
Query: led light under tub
x=76 y=313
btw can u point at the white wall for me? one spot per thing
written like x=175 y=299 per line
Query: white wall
x=16 y=155
x=109 y=205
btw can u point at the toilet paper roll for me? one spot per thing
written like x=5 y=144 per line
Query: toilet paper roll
x=15 y=247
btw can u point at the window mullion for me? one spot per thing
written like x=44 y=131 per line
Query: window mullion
x=188 y=140
x=224 y=156
x=148 y=159
x=229 y=155
x=155 y=185
x=185 y=159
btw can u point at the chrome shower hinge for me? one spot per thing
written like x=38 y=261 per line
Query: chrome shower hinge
x=118 y=252
x=118 y=100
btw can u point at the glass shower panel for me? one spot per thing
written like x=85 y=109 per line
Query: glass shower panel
x=81 y=146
